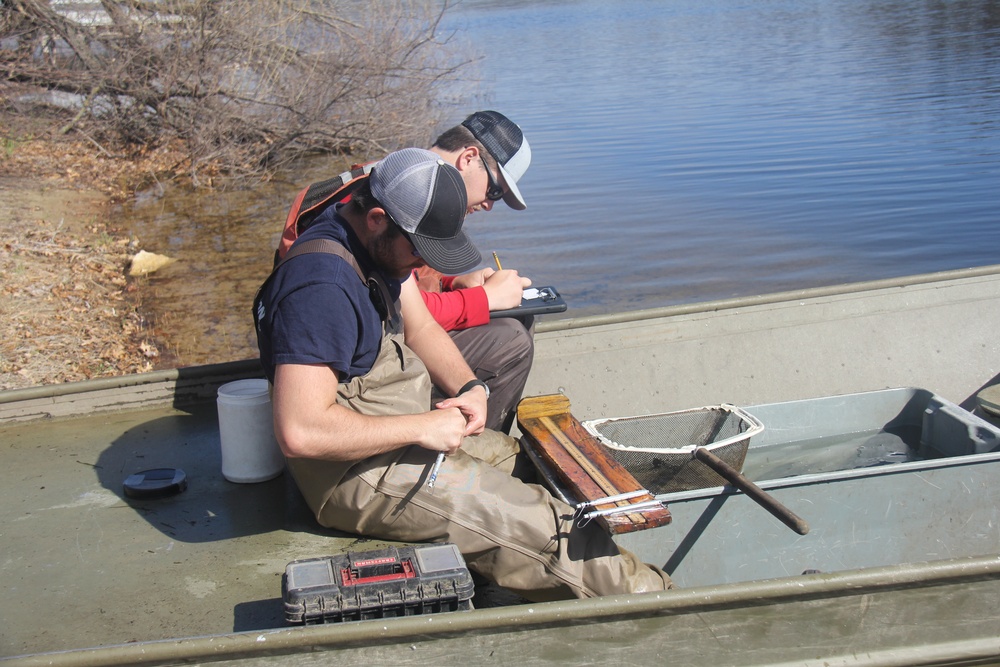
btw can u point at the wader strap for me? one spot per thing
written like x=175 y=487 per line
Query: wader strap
x=328 y=246
x=377 y=290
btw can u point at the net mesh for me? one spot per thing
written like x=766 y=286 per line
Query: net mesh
x=658 y=449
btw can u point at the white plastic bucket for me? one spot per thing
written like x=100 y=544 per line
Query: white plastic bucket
x=250 y=452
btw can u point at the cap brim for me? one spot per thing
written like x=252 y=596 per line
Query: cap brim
x=449 y=256
x=513 y=196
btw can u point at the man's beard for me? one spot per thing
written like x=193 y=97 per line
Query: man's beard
x=382 y=254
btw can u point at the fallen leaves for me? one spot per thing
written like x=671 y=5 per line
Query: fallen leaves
x=65 y=312
x=74 y=162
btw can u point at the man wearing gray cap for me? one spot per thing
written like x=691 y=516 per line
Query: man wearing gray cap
x=352 y=396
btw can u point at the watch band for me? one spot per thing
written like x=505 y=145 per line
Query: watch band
x=474 y=383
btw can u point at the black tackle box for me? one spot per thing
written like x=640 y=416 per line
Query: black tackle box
x=382 y=583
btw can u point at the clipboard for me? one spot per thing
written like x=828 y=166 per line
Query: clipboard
x=535 y=301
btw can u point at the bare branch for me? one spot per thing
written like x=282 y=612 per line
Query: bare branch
x=245 y=85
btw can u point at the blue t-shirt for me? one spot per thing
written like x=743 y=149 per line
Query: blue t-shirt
x=317 y=310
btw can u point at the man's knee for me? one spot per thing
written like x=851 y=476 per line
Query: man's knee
x=516 y=343
x=496 y=347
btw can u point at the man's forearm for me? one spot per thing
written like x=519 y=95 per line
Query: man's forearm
x=445 y=363
x=459 y=309
x=423 y=335
x=309 y=423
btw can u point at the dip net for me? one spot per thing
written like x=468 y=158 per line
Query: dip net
x=658 y=450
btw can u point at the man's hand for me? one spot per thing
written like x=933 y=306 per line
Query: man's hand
x=472 y=405
x=472 y=279
x=445 y=430
x=504 y=288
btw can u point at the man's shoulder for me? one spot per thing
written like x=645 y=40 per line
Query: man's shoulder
x=316 y=269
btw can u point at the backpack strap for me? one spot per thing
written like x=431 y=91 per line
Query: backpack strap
x=378 y=292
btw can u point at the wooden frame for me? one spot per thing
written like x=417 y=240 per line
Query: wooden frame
x=573 y=460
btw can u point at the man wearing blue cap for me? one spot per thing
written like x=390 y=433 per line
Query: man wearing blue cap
x=352 y=396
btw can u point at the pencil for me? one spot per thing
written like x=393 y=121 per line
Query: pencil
x=434 y=471
x=497 y=260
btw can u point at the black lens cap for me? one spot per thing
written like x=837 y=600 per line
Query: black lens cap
x=155 y=483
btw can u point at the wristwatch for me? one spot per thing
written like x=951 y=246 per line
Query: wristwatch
x=474 y=383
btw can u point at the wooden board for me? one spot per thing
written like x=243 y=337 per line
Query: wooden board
x=582 y=465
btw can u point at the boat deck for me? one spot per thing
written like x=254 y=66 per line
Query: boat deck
x=85 y=566
x=196 y=579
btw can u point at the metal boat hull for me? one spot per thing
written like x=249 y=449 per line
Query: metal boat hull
x=196 y=578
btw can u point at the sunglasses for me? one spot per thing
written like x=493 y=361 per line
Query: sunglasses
x=494 y=192
x=416 y=253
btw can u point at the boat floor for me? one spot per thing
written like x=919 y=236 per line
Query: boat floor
x=85 y=566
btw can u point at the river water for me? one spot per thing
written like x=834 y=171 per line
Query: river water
x=683 y=151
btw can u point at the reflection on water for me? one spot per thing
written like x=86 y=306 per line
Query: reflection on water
x=682 y=151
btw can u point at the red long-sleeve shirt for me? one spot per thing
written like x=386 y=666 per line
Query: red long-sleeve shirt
x=452 y=309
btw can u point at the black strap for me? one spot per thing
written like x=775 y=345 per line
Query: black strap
x=474 y=383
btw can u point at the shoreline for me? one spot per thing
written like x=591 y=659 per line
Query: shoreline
x=69 y=311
